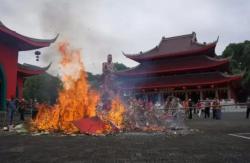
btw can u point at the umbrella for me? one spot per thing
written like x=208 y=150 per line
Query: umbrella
x=92 y=125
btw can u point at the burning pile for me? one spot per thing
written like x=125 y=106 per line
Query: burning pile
x=80 y=109
x=76 y=102
x=145 y=116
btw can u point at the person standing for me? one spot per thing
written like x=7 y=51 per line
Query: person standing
x=198 y=107
x=248 y=108
x=202 y=108
x=219 y=113
x=21 y=109
x=34 y=106
x=190 y=109
x=11 y=108
x=185 y=106
x=207 y=108
x=214 y=107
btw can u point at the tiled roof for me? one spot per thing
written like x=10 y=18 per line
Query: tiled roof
x=177 y=65
x=174 y=46
x=184 y=80
x=29 y=70
x=21 y=42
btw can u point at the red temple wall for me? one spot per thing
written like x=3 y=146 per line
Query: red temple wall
x=9 y=58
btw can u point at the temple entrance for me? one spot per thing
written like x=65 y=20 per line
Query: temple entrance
x=2 y=89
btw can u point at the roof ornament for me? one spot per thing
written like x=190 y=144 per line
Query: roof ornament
x=194 y=37
x=163 y=38
x=217 y=39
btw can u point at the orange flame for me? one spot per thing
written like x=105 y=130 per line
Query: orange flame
x=114 y=117
x=75 y=100
x=116 y=113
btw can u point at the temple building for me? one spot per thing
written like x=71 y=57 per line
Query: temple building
x=182 y=67
x=13 y=74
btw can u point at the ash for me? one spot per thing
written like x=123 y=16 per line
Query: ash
x=149 y=117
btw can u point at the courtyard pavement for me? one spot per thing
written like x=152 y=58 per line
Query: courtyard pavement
x=226 y=140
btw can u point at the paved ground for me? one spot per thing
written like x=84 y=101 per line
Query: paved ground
x=211 y=143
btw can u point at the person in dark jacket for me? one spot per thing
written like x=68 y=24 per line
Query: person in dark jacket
x=207 y=108
x=21 y=109
x=11 y=108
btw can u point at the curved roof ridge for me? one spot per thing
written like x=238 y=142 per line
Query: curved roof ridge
x=233 y=75
x=26 y=66
x=142 y=52
x=204 y=44
x=173 y=46
x=180 y=36
x=30 y=40
x=218 y=59
x=156 y=47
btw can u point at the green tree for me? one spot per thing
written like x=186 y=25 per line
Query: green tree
x=94 y=80
x=120 y=66
x=240 y=59
x=44 y=88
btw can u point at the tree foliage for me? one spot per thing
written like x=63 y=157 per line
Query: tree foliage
x=120 y=66
x=240 y=61
x=44 y=88
x=94 y=80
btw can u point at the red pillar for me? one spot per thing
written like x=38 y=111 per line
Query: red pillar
x=8 y=59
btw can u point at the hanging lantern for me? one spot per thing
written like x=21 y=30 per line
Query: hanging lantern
x=37 y=53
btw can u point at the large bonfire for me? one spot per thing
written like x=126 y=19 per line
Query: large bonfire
x=76 y=100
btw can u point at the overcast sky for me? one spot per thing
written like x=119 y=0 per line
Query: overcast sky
x=100 y=27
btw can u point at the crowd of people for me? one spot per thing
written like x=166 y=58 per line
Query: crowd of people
x=208 y=108
x=140 y=113
x=202 y=108
x=21 y=106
